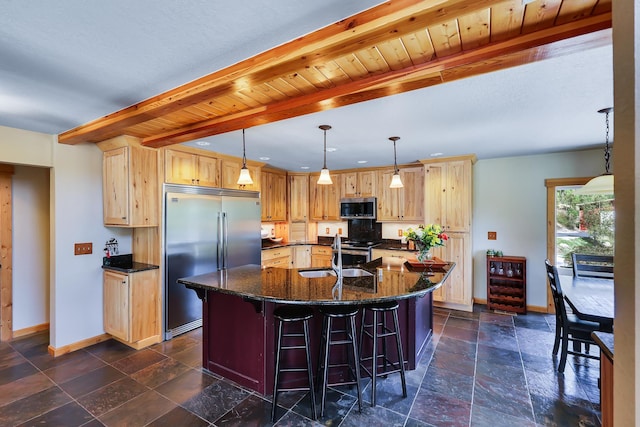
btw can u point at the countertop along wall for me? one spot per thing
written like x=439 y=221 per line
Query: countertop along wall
x=510 y=197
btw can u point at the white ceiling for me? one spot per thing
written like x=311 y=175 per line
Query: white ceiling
x=64 y=63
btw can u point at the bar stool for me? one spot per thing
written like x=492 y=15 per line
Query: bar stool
x=347 y=336
x=379 y=322
x=290 y=314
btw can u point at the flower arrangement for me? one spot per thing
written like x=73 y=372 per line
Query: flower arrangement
x=426 y=237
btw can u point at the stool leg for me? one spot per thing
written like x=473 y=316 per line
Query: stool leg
x=356 y=358
x=325 y=368
x=400 y=355
x=307 y=348
x=319 y=370
x=277 y=373
x=384 y=342
x=374 y=363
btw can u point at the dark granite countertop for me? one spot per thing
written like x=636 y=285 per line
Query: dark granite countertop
x=125 y=264
x=391 y=279
x=605 y=342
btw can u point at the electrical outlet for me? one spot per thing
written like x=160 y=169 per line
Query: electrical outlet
x=326 y=230
x=83 y=248
x=399 y=232
x=340 y=231
x=492 y=235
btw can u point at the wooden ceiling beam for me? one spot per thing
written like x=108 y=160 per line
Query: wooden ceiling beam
x=555 y=41
x=391 y=19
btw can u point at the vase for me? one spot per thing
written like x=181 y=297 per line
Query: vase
x=424 y=252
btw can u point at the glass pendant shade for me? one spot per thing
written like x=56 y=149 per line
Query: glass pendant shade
x=396 y=182
x=602 y=184
x=325 y=178
x=245 y=177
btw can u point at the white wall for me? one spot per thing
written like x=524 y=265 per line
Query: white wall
x=76 y=301
x=75 y=215
x=30 y=194
x=510 y=197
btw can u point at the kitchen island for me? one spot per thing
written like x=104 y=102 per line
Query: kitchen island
x=238 y=304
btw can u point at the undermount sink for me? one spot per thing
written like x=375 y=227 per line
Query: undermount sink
x=313 y=274
x=355 y=272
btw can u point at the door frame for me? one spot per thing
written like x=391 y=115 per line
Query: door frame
x=551 y=185
x=6 y=257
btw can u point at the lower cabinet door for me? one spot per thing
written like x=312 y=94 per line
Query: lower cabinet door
x=116 y=304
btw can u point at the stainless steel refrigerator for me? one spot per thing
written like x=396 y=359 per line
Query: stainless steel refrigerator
x=205 y=230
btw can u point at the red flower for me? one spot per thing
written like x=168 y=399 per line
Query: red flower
x=443 y=236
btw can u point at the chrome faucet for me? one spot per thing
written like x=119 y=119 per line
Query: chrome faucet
x=336 y=291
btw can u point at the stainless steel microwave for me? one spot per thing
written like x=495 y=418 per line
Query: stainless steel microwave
x=358 y=208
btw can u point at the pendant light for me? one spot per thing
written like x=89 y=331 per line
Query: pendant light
x=602 y=184
x=325 y=178
x=396 y=182
x=245 y=177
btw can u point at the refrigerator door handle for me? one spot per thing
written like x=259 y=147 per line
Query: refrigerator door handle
x=225 y=243
x=220 y=254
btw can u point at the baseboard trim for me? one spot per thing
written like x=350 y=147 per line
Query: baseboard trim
x=59 y=351
x=533 y=308
x=138 y=345
x=453 y=306
x=30 y=330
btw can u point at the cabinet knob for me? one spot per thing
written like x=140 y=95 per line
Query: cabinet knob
x=124 y=217
x=124 y=282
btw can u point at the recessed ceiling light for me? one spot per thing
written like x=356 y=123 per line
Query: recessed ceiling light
x=203 y=143
x=436 y=154
x=265 y=158
x=331 y=149
x=363 y=161
x=304 y=167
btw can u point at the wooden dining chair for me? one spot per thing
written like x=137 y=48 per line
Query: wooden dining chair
x=568 y=326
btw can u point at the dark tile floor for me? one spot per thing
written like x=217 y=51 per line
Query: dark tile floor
x=480 y=369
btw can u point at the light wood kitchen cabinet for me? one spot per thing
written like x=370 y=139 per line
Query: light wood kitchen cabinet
x=457 y=291
x=359 y=184
x=324 y=203
x=130 y=187
x=298 y=198
x=448 y=194
x=401 y=204
x=321 y=256
x=231 y=172
x=277 y=257
x=132 y=307
x=274 y=196
x=301 y=256
x=191 y=169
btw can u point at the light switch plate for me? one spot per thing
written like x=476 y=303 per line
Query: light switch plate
x=492 y=235
x=83 y=248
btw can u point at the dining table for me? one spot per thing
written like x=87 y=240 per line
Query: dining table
x=590 y=298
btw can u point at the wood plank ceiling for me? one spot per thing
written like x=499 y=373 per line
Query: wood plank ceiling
x=398 y=46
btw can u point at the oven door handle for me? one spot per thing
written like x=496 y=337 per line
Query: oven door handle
x=355 y=252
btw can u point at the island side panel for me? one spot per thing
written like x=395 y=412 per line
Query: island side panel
x=236 y=340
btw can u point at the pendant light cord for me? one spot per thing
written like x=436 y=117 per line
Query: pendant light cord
x=606 y=145
x=244 y=152
x=395 y=162
x=325 y=149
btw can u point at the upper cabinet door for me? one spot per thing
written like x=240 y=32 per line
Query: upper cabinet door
x=208 y=171
x=367 y=184
x=298 y=198
x=448 y=194
x=180 y=167
x=349 y=184
x=115 y=186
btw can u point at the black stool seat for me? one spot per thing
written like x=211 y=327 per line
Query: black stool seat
x=290 y=314
x=379 y=330
x=347 y=337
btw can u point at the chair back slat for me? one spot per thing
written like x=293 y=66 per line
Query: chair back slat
x=556 y=291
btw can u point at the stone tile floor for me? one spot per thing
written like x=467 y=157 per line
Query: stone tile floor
x=480 y=369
